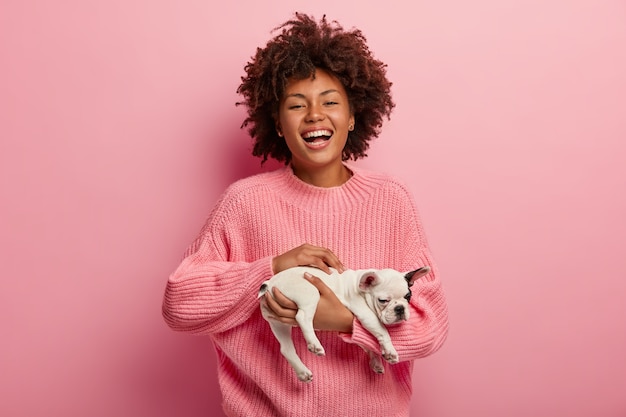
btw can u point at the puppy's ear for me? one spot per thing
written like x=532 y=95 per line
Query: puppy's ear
x=368 y=280
x=414 y=275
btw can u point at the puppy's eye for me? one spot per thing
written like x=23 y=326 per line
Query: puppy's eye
x=408 y=296
x=383 y=301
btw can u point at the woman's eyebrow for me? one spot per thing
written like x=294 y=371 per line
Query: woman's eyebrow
x=323 y=93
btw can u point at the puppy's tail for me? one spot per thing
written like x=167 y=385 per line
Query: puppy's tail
x=263 y=289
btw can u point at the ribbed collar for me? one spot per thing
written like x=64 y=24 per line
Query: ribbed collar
x=291 y=189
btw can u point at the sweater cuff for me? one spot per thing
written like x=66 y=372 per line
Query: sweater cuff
x=361 y=336
x=261 y=269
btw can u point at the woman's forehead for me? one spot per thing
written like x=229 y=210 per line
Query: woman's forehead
x=320 y=82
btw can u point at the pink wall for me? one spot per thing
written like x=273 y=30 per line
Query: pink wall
x=119 y=131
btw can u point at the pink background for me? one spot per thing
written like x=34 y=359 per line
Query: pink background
x=119 y=131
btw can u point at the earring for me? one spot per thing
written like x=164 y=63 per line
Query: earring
x=351 y=128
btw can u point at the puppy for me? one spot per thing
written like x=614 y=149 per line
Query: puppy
x=378 y=298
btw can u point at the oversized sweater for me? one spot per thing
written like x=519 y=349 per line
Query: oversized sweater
x=371 y=221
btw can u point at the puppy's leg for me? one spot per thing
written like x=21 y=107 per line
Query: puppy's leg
x=375 y=363
x=288 y=350
x=304 y=317
x=370 y=321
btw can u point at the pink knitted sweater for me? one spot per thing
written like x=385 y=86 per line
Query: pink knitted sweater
x=371 y=221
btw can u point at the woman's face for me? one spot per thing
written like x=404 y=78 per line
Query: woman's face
x=314 y=117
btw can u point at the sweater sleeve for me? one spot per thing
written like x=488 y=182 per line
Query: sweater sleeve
x=427 y=327
x=204 y=297
x=208 y=292
x=424 y=332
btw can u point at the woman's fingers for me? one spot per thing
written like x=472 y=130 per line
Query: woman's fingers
x=283 y=302
x=281 y=308
x=307 y=255
x=330 y=314
x=324 y=258
x=318 y=283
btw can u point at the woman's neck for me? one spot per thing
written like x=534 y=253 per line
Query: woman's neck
x=327 y=177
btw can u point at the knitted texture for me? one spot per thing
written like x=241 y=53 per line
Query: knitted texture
x=371 y=221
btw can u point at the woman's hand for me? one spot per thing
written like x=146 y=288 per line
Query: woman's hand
x=307 y=255
x=331 y=314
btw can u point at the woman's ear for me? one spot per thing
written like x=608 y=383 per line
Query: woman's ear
x=276 y=117
x=277 y=125
x=351 y=123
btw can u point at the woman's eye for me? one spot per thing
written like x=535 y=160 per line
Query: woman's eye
x=330 y=103
x=295 y=106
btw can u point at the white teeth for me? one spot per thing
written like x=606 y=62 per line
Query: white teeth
x=317 y=133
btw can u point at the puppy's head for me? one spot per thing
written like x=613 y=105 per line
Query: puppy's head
x=387 y=292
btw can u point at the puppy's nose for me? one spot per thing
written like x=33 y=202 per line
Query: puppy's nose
x=399 y=310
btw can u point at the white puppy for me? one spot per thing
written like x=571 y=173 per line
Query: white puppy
x=375 y=297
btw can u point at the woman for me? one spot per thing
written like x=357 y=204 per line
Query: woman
x=315 y=98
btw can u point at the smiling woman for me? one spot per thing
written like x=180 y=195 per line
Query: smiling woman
x=315 y=97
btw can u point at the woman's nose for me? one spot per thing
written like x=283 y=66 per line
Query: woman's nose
x=315 y=113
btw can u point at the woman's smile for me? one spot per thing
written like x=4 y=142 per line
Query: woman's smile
x=317 y=138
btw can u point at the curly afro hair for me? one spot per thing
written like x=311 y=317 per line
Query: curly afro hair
x=302 y=46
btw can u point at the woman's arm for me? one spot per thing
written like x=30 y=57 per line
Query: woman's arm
x=330 y=314
x=205 y=295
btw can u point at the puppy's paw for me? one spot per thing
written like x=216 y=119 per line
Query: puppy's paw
x=376 y=364
x=305 y=376
x=316 y=348
x=390 y=354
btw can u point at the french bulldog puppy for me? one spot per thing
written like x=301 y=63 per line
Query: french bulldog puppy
x=377 y=297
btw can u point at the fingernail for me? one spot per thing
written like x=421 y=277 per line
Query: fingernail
x=307 y=275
